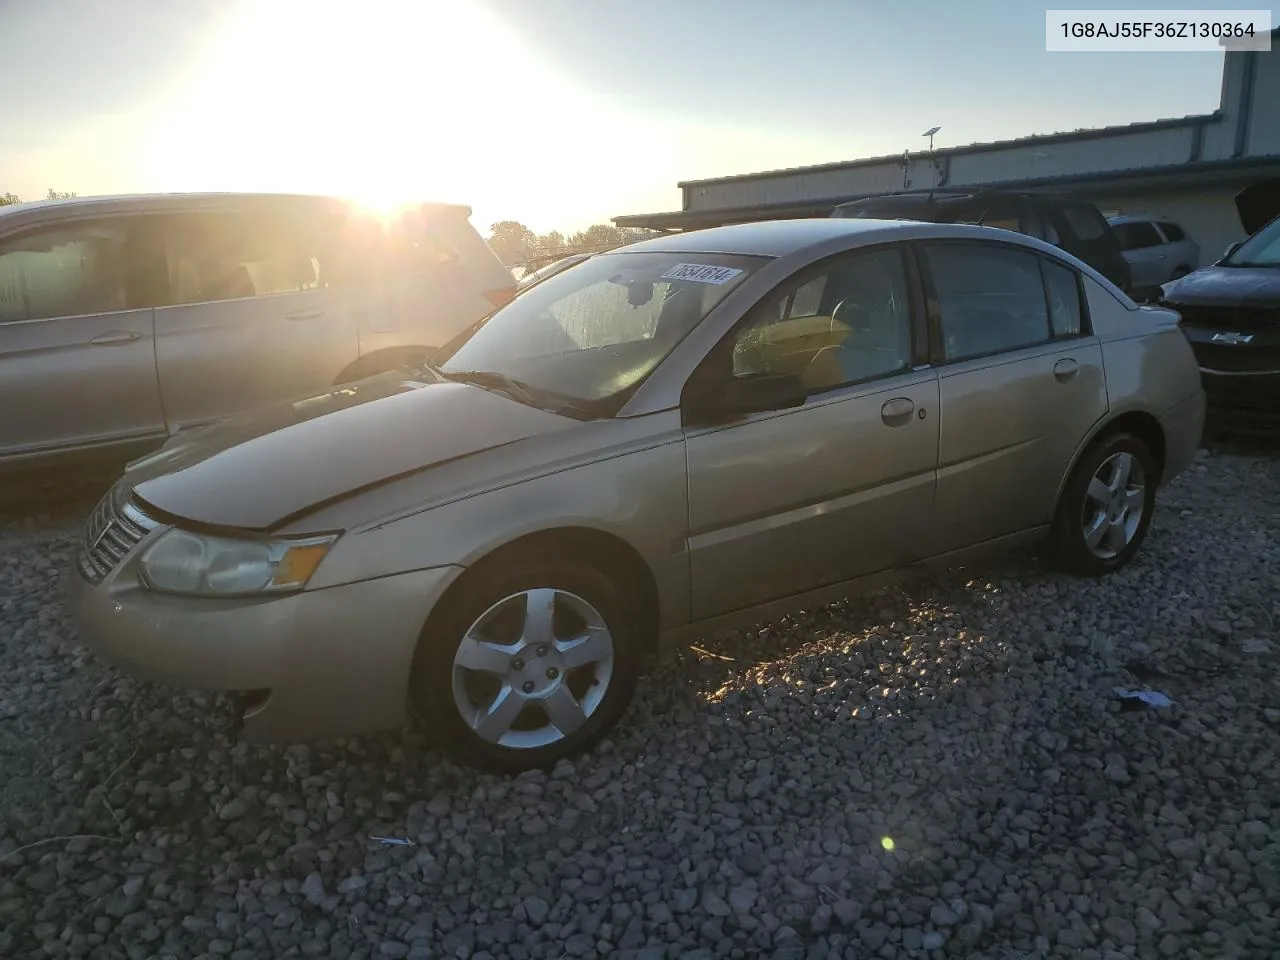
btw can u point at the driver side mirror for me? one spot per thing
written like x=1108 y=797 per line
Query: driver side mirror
x=754 y=393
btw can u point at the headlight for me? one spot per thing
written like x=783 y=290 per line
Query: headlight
x=207 y=566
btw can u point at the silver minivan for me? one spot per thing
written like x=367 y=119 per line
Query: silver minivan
x=126 y=319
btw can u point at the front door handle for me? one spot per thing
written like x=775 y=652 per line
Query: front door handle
x=897 y=411
x=115 y=336
x=1064 y=370
x=305 y=315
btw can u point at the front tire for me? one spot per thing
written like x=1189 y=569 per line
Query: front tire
x=1106 y=507
x=526 y=664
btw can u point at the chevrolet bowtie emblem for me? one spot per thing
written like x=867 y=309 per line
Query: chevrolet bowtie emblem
x=1235 y=339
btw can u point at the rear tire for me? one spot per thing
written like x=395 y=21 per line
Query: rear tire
x=1106 y=507
x=526 y=663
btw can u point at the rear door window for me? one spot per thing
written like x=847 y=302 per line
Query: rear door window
x=991 y=299
x=1136 y=235
x=1172 y=232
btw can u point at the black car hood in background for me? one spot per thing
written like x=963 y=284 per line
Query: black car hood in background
x=1258 y=205
x=1227 y=287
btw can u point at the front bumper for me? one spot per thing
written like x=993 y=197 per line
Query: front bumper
x=333 y=662
x=1253 y=394
x=1239 y=364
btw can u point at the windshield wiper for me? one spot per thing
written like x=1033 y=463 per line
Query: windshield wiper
x=491 y=378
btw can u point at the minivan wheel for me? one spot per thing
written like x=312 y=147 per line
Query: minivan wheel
x=526 y=666
x=1106 y=507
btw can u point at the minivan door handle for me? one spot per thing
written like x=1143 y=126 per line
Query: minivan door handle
x=304 y=315
x=115 y=336
x=1065 y=369
x=897 y=411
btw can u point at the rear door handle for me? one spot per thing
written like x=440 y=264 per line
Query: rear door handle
x=115 y=336
x=1064 y=370
x=897 y=411
x=305 y=315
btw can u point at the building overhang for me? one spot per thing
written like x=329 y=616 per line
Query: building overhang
x=1173 y=176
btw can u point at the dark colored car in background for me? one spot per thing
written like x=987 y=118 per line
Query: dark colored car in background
x=1074 y=225
x=1231 y=314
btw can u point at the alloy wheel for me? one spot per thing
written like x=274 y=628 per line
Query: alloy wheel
x=1113 y=505
x=532 y=668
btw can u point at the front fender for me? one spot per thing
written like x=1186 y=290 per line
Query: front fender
x=640 y=497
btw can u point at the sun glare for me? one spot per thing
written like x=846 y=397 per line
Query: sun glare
x=382 y=101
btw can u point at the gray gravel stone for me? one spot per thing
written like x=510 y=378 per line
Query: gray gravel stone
x=938 y=769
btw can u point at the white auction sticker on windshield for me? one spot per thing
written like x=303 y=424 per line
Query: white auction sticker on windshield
x=701 y=273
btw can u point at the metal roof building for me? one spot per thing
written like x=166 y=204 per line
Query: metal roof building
x=1187 y=169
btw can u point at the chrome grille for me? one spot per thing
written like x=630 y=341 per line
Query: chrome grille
x=114 y=528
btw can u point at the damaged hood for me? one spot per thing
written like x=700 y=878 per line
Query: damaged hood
x=1220 y=286
x=1258 y=205
x=256 y=470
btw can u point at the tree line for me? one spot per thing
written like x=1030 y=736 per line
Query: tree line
x=7 y=199
x=515 y=244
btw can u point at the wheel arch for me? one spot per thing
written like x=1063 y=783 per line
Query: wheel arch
x=1141 y=423
x=607 y=551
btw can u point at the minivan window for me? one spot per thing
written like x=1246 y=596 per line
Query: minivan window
x=588 y=336
x=222 y=256
x=1001 y=212
x=64 y=271
x=1173 y=233
x=990 y=298
x=1085 y=222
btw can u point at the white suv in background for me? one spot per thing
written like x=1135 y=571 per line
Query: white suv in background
x=125 y=319
x=1157 y=250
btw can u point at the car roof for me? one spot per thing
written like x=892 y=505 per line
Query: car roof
x=779 y=238
x=963 y=193
x=1137 y=218
x=153 y=202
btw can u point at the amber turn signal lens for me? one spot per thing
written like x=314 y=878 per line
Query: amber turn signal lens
x=299 y=563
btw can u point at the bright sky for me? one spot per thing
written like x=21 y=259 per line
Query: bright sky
x=557 y=113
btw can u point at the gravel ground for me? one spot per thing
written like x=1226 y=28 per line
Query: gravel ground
x=940 y=770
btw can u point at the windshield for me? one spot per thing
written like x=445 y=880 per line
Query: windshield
x=1260 y=250
x=586 y=337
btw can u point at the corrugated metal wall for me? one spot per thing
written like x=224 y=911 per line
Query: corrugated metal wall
x=1113 y=150
x=1264 y=128
x=1031 y=161
x=1151 y=148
